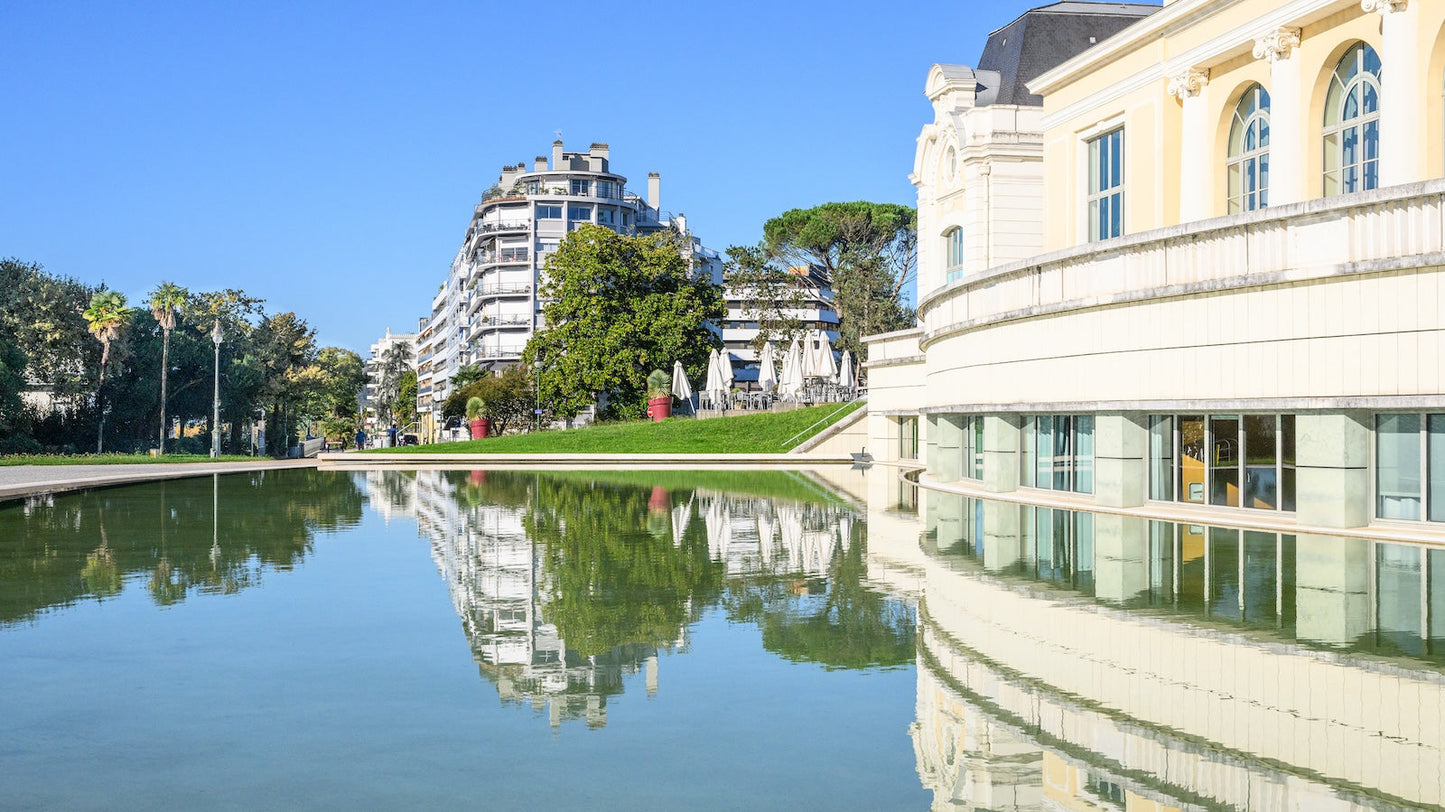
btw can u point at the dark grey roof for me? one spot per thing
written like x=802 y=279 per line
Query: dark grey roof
x=1044 y=38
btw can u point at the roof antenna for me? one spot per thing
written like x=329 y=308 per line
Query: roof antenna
x=558 y=133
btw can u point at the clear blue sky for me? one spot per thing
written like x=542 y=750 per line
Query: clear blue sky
x=326 y=156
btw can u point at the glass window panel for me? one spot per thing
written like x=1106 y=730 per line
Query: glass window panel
x=1095 y=230
x=1190 y=487
x=1116 y=215
x=1397 y=466
x=1161 y=456
x=1351 y=108
x=1224 y=594
x=1116 y=158
x=1264 y=180
x=1224 y=460
x=1044 y=473
x=1094 y=166
x=1397 y=577
x=1026 y=458
x=1435 y=470
x=1261 y=484
x=1369 y=59
x=1286 y=462
x=1084 y=453
x=1062 y=453
x=978 y=448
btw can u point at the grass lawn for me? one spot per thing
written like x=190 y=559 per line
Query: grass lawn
x=763 y=433
x=113 y=459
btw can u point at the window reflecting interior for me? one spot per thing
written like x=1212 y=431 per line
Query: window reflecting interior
x=1233 y=460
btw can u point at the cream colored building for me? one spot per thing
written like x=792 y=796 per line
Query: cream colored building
x=1239 y=304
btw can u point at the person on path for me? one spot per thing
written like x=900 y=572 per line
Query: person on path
x=360 y=439
x=391 y=432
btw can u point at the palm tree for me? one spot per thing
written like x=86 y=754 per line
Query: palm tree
x=165 y=300
x=106 y=316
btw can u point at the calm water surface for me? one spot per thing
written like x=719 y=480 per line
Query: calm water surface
x=660 y=640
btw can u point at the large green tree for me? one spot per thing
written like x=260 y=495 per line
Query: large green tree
x=617 y=308
x=509 y=397
x=870 y=250
x=41 y=314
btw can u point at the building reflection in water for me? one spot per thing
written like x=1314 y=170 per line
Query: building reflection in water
x=1078 y=660
x=567 y=586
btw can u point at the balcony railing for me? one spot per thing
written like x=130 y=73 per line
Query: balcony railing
x=503 y=257
x=1356 y=233
x=487 y=228
x=499 y=352
x=503 y=290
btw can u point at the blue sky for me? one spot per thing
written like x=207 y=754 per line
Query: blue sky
x=326 y=157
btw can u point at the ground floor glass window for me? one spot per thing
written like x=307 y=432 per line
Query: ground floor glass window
x=1229 y=460
x=1410 y=467
x=1057 y=452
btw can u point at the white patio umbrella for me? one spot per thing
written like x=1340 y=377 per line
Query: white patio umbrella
x=681 y=389
x=725 y=361
x=767 y=371
x=792 y=381
x=824 y=365
x=846 y=378
x=716 y=388
x=808 y=358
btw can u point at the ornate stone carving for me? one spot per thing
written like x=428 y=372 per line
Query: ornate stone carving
x=1277 y=44
x=1383 y=6
x=1188 y=82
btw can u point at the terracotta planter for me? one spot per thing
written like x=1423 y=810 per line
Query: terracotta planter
x=660 y=408
x=481 y=427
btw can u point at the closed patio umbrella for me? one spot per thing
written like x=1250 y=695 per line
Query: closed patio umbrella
x=791 y=384
x=716 y=388
x=767 y=372
x=808 y=358
x=681 y=389
x=846 y=378
x=824 y=365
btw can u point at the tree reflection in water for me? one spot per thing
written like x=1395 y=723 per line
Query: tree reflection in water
x=58 y=550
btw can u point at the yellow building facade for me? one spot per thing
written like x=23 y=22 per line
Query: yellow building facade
x=1239 y=304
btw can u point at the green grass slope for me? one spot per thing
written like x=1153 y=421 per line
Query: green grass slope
x=763 y=433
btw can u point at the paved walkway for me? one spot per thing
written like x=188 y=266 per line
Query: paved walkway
x=26 y=480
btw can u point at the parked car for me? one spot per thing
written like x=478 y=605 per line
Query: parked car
x=409 y=439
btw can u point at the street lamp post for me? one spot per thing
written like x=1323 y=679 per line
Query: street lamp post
x=537 y=385
x=216 y=398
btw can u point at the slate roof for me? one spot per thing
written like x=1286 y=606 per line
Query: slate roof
x=1044 y=38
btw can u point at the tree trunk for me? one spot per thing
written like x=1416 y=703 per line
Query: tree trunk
x=165 y=368
x=100 y=404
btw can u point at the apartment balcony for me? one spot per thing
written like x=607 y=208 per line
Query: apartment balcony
x=499 y=352
x=499 y=228
x=502 y=289
x=505 y=257
x=1346 y=235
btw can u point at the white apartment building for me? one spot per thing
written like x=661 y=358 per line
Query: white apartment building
x=815 y=311
x=487 y=308
x=374 y=363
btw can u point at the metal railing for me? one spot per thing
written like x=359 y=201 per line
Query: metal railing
x=829 y=418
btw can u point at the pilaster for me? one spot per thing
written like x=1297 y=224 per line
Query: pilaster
x=1001 y=452
x=946 y=460
x=1120 y=465
x=1287 y=178
x=1196 y=200
x=1332 y=478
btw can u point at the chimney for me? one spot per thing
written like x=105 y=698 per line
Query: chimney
x=556 y=155
x=539 y=164
x=598 y=151
x=654 y=189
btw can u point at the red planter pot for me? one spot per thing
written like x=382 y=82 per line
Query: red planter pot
x=481 y=427
x=659 y=408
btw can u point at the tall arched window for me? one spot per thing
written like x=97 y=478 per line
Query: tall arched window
x=1352 y=123
x=953 y=248
x=1248 y=162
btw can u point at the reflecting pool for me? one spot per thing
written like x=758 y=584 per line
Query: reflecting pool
x=452 y=639
x=825 y=638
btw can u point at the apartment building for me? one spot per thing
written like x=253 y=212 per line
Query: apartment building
x=488 y=307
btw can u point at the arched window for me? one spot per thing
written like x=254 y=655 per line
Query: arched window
x=1248 y=162
x=1352 y=123
x=953 y=248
